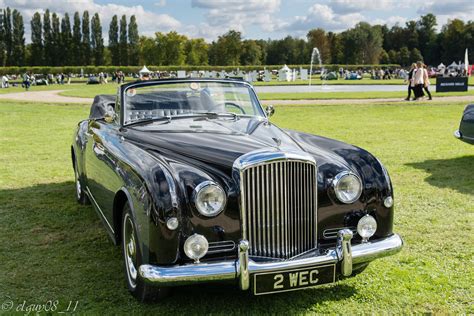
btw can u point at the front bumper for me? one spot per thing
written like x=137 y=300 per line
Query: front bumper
x=241 y=269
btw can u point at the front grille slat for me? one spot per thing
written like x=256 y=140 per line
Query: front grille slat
x=280 y=208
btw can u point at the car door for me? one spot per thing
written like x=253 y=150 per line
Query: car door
x=101 y=165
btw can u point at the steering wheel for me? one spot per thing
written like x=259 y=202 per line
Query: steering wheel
x=235 y=105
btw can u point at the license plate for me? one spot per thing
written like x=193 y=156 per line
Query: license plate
x=295 y=279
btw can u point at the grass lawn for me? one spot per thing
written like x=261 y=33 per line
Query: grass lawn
x=51 y=248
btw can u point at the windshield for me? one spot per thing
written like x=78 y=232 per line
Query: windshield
x=187 y=98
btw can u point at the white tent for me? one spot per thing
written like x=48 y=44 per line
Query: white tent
x=285 y=74
x=144 y=71
x=441 y=66
x=453 y=65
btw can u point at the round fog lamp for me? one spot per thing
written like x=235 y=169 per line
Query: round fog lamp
x=388 y=202
x=195 y=247
x=366 y=227
x=172 y=223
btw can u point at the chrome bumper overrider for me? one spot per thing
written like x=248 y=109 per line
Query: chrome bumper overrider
x=344 y=253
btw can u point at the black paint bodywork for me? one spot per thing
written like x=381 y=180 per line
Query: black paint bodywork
x=466 y=127
x=155 y=168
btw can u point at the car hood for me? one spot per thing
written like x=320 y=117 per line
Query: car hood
x=218 y=141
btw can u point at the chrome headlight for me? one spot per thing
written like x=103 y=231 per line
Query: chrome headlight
x=347 y=186
x=209 y=198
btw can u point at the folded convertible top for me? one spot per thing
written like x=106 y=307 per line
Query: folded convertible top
x=101 y=104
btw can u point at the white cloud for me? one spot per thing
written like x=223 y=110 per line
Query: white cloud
x=354 y=6
x=222 y=16
x=148 y=22
x=449 y=10
x=453 y=7
x=323 y=16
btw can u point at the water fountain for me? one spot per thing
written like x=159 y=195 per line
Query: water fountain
x=315 y=54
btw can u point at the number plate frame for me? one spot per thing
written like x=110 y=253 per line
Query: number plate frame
x=326 y=275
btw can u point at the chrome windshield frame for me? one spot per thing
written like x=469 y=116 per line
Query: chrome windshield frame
x=158 y=82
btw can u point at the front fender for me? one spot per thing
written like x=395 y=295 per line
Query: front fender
x=154 y=196
x=332 y=157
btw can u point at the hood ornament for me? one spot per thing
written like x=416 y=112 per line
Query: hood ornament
x=277 y=141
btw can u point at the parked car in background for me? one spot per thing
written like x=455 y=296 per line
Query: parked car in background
x=196 y=184
x=93 y=80
x=466 y=127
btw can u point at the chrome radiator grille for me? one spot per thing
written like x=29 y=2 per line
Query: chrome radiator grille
x=279 y=207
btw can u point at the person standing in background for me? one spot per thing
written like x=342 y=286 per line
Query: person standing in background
x=426 y=82
x=411 y=84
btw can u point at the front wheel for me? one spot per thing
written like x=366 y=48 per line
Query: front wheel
x=132 y=261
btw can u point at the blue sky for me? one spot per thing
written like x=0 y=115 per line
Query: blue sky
x=254 y=18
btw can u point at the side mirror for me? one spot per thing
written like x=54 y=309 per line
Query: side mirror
x=270 y=110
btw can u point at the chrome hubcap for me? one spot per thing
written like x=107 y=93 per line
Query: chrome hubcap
x=130 y=253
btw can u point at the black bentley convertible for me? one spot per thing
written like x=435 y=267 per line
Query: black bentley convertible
x=196 y=184
x=466 y=127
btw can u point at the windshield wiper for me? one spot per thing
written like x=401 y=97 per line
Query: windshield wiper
x=150 y=120
x=217 y=114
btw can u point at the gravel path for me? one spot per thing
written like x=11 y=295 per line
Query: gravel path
x=52 y=96
x=44 y=96
x=464 y=98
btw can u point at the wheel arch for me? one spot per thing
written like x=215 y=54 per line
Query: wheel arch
x=121 y=197
x=73 y=157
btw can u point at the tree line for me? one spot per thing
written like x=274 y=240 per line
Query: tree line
x=55 y=42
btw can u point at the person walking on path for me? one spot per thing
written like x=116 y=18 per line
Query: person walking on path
x=26 y=81
x=426 y=80
x=410 y=81
x=418 y=79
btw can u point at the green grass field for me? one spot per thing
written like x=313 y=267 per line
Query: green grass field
x=51 y=248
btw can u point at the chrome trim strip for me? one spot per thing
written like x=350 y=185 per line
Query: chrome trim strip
x=243 y=267
x=99 y=209
x=264 y=156
x=221 y=246
x=331 y=233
